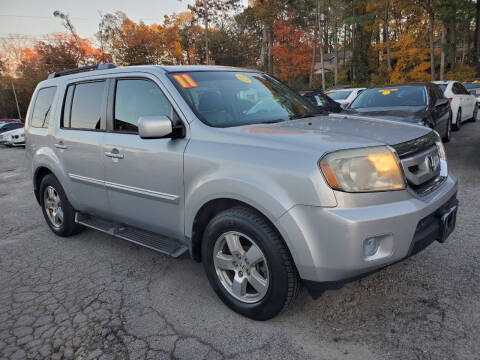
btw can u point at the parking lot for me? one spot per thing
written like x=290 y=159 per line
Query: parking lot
x=94 y=296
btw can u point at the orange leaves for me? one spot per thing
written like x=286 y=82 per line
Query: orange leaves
x=292 y=50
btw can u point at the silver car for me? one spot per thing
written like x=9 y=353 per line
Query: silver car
x=234 y=168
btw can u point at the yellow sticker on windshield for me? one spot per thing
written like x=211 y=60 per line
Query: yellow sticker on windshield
x=243 y=78
x=386 y=91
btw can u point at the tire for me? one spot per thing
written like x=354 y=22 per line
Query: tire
x=277 y=270
x=475 y=113
x=458 y=122
x=448 y=133
x=62 y=225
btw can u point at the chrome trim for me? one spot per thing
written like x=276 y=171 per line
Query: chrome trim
x=86 y=179
x=142 y=192
x=125 y=188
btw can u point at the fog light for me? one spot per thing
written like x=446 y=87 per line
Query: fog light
x=370 y=246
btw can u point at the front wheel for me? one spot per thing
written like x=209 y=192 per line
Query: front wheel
x=248 y=265
x=448 y=132
x=458 y=121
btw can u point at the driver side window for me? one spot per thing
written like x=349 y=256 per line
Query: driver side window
x=135 y=98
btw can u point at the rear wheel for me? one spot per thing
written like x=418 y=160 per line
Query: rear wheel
x=458 y=122
x=57 y=210
x=248 y=265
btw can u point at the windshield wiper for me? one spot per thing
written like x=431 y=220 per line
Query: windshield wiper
x=305 y=116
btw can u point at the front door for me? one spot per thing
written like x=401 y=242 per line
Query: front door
x=79 y=146
x=144 y=177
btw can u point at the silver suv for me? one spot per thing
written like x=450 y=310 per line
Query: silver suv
x=236 y=169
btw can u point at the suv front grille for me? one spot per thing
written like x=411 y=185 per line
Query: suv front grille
x=421 y=163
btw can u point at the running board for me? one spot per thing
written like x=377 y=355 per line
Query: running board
x=144 y=238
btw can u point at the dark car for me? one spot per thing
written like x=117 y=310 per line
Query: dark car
x=10 y=125
x=418 y=103
x=323 y=102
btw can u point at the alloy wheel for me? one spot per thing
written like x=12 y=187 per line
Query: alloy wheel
x=53 y=206
x=241 y=267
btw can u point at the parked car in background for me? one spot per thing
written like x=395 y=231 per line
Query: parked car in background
x=418 y=103
x=322 y=101
x=235 y=168
x=463 y=103
x=473 y=87
x=13 y=137
x=344 y=96
x=10 y=125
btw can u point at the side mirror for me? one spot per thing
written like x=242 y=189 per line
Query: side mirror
x=154 y=127
x=441 y=102
x=472 y=92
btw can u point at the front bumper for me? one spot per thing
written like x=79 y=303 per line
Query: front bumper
x=327 y=243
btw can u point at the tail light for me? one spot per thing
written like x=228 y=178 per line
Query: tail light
x=450 y=99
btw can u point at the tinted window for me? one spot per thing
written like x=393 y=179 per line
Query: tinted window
x=388 y=97
x=339 y=95
x=42 y=107
x=87 y=106
x=443 y=86
x=464 y=91
x=136 y=98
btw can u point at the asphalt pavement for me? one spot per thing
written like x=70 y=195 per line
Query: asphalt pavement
x=93 y=296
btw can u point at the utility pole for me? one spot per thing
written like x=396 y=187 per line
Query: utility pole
x=207 y=53
x=322 y=45
x=16 y=101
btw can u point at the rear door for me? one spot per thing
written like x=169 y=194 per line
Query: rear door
x=79 y=145
x=144 y=179
x=469 y=100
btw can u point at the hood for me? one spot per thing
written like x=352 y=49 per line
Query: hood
x=14 y=132
x=324 y=133
x=413 y=114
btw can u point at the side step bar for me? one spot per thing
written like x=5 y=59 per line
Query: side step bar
x=150 y=240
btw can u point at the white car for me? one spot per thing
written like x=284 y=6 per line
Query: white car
x=345 y=96
x=464 y=105
x=13 y=137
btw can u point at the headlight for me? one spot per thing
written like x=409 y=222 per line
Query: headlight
x=363 y=170
x=441 y=149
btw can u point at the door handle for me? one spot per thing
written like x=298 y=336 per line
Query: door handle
x=114 y=154
x=60 y=145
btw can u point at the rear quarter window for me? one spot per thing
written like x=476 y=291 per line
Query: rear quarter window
x=42 y=107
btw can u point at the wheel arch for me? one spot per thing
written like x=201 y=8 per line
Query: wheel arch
x=213 y=207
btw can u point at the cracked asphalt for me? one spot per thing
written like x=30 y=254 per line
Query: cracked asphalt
x=93 y=296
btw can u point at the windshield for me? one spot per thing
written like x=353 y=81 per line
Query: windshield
x=473 y=85
x=232 y=98
x=339 y=95
x=389 y=97
x=442 y=86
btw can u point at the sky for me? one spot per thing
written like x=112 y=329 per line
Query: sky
x=35 y=17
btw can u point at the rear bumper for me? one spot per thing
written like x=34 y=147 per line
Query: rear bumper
x=327 y=243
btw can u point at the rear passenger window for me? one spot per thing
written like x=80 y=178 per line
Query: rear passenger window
x=86 y=106
x=42 y=108
x=135 y=98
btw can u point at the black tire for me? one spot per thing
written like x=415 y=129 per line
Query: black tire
x=458 y=122
x=448 y=133
x=475 y=113
x=68 y=225
x=284 y=283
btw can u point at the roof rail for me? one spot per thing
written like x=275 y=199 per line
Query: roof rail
x=102 y=66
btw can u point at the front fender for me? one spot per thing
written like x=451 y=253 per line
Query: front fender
x=234 y=189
